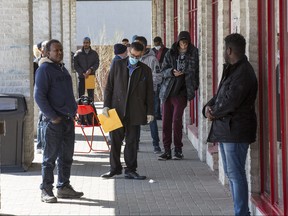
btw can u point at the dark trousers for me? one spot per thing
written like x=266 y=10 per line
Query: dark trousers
x=172 y=113
x=130 y=150
x=81 y=89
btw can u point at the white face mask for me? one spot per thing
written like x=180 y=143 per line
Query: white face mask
x=157 y=47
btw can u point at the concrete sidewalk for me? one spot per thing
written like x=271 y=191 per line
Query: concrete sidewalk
x=185 y=187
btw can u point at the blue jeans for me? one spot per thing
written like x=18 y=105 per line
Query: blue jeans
x=153 y=125
x=59 y=144
x=40 y=131
x=234 y=159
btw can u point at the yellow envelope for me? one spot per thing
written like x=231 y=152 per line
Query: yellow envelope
x=90 y=82
x=111 y=123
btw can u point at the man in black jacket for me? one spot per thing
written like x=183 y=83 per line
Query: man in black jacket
x=129 y=90
x=86 y=62
x=180 y=71
x=234 y=122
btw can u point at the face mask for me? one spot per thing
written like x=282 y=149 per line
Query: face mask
x=133 y=61
x=157 y=47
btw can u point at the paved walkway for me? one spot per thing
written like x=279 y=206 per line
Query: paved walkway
x=185 y=187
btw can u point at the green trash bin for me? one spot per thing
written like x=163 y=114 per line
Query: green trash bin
x=13 y=109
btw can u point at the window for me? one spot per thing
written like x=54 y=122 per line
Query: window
x=273 y=67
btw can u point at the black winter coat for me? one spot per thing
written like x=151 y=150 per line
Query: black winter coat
x=84 y=61
x=191 y=71
x=234 y=105
x=132 y=107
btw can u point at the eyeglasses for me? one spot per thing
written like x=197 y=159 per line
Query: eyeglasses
x=136 y=57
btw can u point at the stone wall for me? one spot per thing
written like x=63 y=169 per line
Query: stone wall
x=16 y=68
x=24 y=23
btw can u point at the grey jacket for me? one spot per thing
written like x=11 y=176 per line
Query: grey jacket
x=151 y=61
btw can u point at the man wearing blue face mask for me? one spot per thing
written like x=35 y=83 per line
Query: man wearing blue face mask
x=129 y=90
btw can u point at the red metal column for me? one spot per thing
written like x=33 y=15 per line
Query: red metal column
x=164 y=21
x=260 y=86
x=283 y=96
x=272 y=100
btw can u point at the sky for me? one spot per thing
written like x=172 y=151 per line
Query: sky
x=108 y=22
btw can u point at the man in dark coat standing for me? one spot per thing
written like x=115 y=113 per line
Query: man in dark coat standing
x=129 y=90
x=180 y=71
x=234 y=122
x=86 y=62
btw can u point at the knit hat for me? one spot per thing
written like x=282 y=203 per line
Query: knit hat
x=86 y=38
x=119 y=48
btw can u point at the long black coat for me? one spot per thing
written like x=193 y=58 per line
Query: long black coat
x=135 y=106
x=234 y=105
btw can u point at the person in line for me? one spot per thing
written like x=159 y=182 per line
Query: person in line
x=125 y=42
x=129 y=90
x=41 y=50
x=233 y=116
x=181 y=78
x=160 y=51
x=120 y=52
x=133 y=38
x=149 y=59
x=54 y=95
x=86 y=62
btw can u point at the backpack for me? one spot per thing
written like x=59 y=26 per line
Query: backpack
x=87 y=119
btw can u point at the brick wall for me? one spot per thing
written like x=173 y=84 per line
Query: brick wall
x=41 y=32
x=205 y=57
x=56 y=20
x=169 y=23
x=183 y=15
x=16 y=68
x=73 y=43
x=41 y=20
x=32 y=21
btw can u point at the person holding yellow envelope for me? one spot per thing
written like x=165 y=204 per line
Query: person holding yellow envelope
x=129 y=90
x=86 y=62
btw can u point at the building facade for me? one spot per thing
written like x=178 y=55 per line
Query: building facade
x=264 y=25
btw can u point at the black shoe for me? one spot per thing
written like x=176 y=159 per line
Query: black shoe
x=165 y=156
x=47 y=196
x=111 y=174
x=178 y=156
x=157 y=150
x=134 y=175
x=68 y=192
